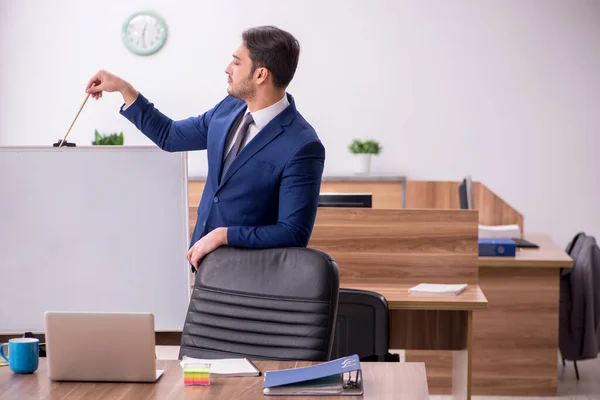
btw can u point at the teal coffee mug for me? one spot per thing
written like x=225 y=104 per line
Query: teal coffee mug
x=23 y=354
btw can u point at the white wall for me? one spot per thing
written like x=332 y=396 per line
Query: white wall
x=506 y=91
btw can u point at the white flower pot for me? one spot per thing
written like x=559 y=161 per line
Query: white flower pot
x=363 y=164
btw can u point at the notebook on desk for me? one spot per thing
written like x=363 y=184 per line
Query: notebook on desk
x=225 y=366
x=438 y=289
x=341 y=377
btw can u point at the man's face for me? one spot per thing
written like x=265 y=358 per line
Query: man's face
x=239 y=75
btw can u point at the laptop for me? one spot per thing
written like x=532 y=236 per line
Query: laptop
x=100 y=347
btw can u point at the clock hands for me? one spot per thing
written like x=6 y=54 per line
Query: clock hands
x=144 y=36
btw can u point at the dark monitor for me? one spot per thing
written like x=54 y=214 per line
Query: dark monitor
x=463 y=196
x=359 y=200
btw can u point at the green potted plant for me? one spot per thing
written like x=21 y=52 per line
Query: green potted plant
x=114 y=139
x=363 y=150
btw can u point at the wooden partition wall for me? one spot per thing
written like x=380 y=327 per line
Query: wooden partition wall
x=444 y=195
x=406 y=245
x=399 y=246
x=387 y=194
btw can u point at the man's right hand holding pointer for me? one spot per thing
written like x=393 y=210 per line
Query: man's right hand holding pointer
x=104 y=81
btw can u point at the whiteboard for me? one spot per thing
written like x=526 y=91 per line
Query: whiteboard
x=97 y=228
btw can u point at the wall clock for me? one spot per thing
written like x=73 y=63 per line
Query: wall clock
x=144 y=33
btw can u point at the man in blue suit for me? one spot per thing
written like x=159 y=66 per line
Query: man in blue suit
x=265 y=161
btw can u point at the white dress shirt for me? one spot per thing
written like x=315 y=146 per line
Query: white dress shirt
x=261 y=119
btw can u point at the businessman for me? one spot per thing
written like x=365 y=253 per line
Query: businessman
x=265 y=161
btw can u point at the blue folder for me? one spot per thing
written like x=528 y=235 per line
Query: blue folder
x=497 y=247
x=328 y=378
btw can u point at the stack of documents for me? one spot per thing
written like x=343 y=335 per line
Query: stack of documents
x=438 y=289
x=499 y=231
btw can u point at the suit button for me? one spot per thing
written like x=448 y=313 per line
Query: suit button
x=204 y=224
x=216 y=199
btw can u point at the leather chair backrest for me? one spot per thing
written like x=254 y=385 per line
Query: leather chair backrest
x=278 y=304
x=362 y=325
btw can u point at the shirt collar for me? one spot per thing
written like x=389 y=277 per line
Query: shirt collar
x=264 y=116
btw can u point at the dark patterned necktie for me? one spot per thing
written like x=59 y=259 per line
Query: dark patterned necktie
x=235 y=149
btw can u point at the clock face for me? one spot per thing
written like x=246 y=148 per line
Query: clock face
x=144 y=33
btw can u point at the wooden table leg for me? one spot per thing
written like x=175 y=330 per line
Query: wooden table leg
x=461 y=365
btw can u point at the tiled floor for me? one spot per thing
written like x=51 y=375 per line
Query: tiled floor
x=587 y=388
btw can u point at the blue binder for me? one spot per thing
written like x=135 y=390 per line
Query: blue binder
x=341 y=377
x=497 y=247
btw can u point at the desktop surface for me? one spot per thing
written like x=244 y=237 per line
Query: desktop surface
x=380 y=380
x=548 y=255
x=398 y=297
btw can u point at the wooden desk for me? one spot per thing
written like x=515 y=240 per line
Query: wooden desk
x=434 y=323
x=549 y=255
x=381 y=381
x=388 y=251
x=516 y=338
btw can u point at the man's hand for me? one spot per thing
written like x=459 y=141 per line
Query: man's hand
x=207 y=244
x=107 y=82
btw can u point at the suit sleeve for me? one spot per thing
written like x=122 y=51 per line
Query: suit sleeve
x=298 y=201
x=184 y=135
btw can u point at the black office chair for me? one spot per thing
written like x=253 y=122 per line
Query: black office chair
x=277 y=304
x=362 y=326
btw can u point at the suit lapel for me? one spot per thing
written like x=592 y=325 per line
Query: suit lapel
x=264 y=137
x=229 y=125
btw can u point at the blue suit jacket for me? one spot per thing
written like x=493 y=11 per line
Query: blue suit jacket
x=269 y=195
